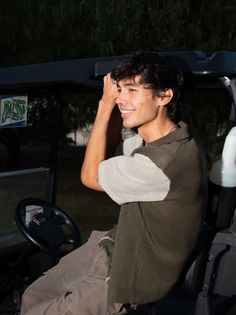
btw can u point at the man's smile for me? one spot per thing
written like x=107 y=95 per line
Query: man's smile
x=126 y=112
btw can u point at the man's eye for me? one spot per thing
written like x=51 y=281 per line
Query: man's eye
x=132 y=90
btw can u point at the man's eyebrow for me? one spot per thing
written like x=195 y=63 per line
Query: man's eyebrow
x=128 y=84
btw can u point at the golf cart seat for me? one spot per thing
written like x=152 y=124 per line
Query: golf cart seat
x=218 y=279
x=209 y=272
x=192 y=276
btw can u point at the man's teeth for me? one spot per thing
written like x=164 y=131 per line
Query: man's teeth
x=126 y=111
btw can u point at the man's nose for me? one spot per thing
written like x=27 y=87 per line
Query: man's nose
x=121 y=98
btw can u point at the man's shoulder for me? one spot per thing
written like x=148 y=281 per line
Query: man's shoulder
x=131 y=143
x=161 y=155
x=166 y=153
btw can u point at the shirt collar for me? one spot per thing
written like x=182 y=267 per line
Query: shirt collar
x=178 y=134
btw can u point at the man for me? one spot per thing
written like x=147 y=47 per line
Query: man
x=159 y=183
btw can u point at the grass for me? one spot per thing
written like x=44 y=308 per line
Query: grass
x=91 y=210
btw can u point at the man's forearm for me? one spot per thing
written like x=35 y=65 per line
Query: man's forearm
x=102 y=143
x=96 y=149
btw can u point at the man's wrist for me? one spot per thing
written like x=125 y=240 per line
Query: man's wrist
x=105 y=108
x=107 y=103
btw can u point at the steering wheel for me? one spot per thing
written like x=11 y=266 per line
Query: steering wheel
x=47 y=226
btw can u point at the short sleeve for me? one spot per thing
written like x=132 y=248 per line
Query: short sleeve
x=133 y=179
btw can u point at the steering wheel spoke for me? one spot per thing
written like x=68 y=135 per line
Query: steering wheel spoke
x=69 y=239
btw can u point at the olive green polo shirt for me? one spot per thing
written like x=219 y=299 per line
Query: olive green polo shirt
x=154 y=238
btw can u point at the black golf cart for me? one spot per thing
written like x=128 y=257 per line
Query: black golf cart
x=35 y=233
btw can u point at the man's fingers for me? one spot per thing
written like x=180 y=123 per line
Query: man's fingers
x=108 y=78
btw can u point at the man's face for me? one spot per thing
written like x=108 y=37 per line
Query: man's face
x=138 y=105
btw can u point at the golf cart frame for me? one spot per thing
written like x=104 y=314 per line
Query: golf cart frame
x=201 y=71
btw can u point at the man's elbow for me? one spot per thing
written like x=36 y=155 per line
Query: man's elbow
x=90 y=182
x=85 y=179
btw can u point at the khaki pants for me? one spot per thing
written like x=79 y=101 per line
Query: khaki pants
x=76 y=286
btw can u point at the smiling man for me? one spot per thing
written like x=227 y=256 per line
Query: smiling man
x=159 y=182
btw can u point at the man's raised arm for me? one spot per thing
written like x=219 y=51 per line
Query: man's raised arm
x=105 y=135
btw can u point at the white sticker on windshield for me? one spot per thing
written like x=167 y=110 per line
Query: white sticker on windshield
x=30 y=212
x=13 y=111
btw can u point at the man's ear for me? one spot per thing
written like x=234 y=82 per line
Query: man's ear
x=164 y=97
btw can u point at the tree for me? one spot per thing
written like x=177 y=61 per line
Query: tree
x=34 y=31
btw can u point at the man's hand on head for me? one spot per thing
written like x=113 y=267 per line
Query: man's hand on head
x=110 y=92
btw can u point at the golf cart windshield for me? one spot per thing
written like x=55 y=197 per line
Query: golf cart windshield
x=31 y=114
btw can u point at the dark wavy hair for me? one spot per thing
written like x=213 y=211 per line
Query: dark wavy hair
x=155 y=73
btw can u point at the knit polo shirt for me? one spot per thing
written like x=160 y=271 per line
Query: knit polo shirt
x=154 y=238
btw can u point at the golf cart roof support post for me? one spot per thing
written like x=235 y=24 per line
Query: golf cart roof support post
x=233 y=89
x=230 y=85
x=55 y=150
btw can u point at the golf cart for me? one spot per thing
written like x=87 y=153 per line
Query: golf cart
x=35 y=233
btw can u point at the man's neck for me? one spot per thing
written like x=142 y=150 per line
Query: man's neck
x=156 y=129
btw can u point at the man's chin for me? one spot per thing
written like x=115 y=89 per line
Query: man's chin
x=127 y=125
x=130 y=125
